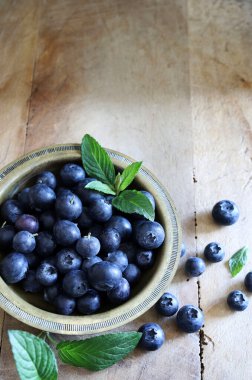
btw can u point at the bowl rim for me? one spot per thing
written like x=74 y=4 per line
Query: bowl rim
x=137 y=305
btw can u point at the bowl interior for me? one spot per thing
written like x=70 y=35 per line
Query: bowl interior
x=144 y=294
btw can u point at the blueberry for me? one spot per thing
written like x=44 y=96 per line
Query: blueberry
x=60 y=191
x=48 y=179
x=68 y=206
x=13 y=267
x=104 y=276
x=7 y=234
x=24 y=199
x=64 y=305
x=90 y=303
x=86 y=195
x=145 y=259
x=225 y=212
x=183 y=250
x=110 y=239
x=89 y=261
x=45 y=244
x=237 y=300
x=119 y=258
x=67 y=259
x=42 y=197
x=122 y=225
x=96 y=230
x=11 y=210
x=150 y=235
x=33 y=259
x=88 y=246
x=150 y=197
x=51 y=292
x=214 y=252
x=153 y=336
x=84 y=220
x=194 y=266
x=30 y=284
x=28 y=223
x=24 y=242
x=132 y=273
x=66 y=233
x=167 y=305
x=248 y=281
x=100 y=210
x=71 y=174
x=75 y=283
x=190 y=318
x=46 y=274
x=130 y=249
x=47 y=220
x=120 y=293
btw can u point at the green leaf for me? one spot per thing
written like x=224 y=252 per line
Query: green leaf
x=96 y=161
x=33 y=357
x=99 y=186
x=117 y=183
x=131 y=201
x=99 y=352
x=129 y=174
x=238 y=260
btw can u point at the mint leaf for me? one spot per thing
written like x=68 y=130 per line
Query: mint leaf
x=99 y=186
x=238 y=260
x=96 y=161
x=129 y=174
x=33 y=357
x=99 y=352
x=131 y=201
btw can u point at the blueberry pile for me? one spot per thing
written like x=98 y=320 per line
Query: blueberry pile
x=70 y=245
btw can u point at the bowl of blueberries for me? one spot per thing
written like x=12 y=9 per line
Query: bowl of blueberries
x=70 y=262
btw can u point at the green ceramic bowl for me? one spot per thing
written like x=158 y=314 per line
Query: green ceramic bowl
x=31 y=309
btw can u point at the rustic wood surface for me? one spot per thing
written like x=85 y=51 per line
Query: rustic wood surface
x=167 y=82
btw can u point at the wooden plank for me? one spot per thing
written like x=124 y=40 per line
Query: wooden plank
x=17 y=42
x=221 y=81
x=119 y=71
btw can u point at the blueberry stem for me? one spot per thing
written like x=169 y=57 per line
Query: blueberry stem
x=51 y=339
x=34 y=235
x=4 y=223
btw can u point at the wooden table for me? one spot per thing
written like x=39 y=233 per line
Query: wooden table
x=166 y=82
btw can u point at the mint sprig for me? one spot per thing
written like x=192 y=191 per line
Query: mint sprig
x=98 y=164
x=99 y=352
x=35 y=360
x=238 y=261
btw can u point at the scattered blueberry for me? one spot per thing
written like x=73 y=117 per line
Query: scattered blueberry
x=248 y=281
x=71 y=174
x=149 y=235
x=75 y=283
x=90 y=303
x=24 y=199
x=110 y=239
x=7 y=233
x=214 y=252
x=120 y=293
x=167 y=305
x=47 y=178
x=89 y=261
x=132 y=273
x=183 y=250
x=153 y=336
x=130 y=249
x=88 y=246
x=24 y=242
x=66 y=233
x=68 y=206
x=225 y=212
x=84 y=220
x=237 y=300
x=13 y=267
x=11 y=210
x=46 y=274
x=67 y=259
x=190 y=318
x=145 y=259
x=104 y=276
x=100 y=210
x=42 y=197
x=119 y=258
x=51 y=292
x=33 y=260
x=195 y=266
x=64 y=305
x=30 y=284
x=28 y=223
x=122 y=225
